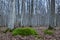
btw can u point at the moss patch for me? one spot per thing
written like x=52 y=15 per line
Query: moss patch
x=49 y=32
x=24 y=31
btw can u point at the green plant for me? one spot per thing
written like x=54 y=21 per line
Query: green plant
x=8 y=30
x=50 y=27
x=49 y=32
x=24 y=31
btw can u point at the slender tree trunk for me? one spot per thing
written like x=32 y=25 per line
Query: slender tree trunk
x=52 y=15
x=22 y=17
x=30 y=12
x=12 y=17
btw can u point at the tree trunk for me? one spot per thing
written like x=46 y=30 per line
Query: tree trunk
x=12 y=17
x=52 y=15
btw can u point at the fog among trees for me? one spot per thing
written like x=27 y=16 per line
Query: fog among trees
x=29 y=13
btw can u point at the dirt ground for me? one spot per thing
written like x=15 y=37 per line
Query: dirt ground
x=8 y=35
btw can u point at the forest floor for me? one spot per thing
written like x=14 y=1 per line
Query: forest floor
x=8 y=35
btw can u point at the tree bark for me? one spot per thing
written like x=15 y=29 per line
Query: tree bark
x=52 y=15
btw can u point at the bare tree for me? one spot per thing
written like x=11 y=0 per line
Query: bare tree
x=30 y=12
x=12 y=16
x=52 y=14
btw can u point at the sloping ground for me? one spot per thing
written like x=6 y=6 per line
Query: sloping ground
x=55 y=36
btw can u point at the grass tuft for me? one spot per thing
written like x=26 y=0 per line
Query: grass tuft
x=49 y=32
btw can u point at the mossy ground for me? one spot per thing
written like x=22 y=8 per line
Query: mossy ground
x=41 y=36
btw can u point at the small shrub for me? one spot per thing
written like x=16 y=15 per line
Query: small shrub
x=24 y=31
x=5 y=30
x=49 y=32
x=50 y=28
x=8 y=30
x=30 y=26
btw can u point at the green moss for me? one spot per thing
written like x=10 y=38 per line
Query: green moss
x=49 y=32
x=24 y=31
